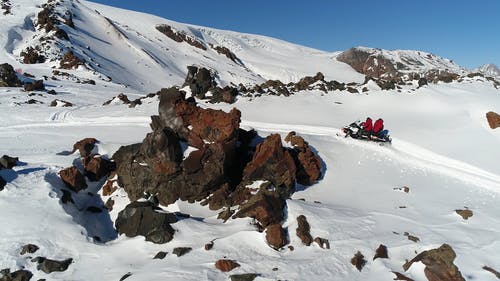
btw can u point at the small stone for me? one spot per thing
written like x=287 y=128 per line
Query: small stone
x=127 y=275
x=160 y=255
x=358 y=261
x=29 y=249
x=243 y=277
x=181 y=251
x=411 y=237
x=291 y=248
x=209 y=246
x=225 y=265
x=322 y=242
x=465 y=214
x=381 y=252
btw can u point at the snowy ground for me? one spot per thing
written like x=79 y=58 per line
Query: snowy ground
x=442 y=150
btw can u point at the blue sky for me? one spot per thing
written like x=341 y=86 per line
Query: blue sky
x=467 y=32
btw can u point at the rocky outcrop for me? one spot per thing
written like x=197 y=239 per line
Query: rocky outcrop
x=84 y=146
x=8 y=77
x=493 y=119
x=180 y=36
x=222 y=163
x=71 y=61
x=36 y=85
x=29 y=249
x=226 y=52
x=60 y=103
x=199 y=80
x=96 y=167
x=32 y=56
x=307 y=162
x=226 y=265
x=73 y=179
x=181 y=251
x=145 y=219
x=438 y=264
x=7 y=162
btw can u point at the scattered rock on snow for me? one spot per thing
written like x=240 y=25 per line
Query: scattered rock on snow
x=127 y=275
x=71 y=61
x=303 y=230
x=160 y=255
x=489 y=269
x=48 y=266
x=243 y=277
x=142 y=218
x=96 y=167
x=37 y=85
x=307 y=162
x=209 y=246
x=73 y=178
x=29 y=249
x=276 y=236
x=438 y=264
x=225 y=265
x=322 y=242
x=465 y=213
x=381 y=252
x=412 y=237
x=19 y=275
x=493 y=119
x=60 y=103
x=358 y=261
x=85 y=146
x=181 y=251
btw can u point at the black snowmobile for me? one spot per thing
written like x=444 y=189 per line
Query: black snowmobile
x=355 y=131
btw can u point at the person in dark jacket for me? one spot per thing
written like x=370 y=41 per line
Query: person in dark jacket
x=378 y=129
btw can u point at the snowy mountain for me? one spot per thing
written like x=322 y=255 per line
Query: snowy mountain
x=489 y=70
x=222 y=188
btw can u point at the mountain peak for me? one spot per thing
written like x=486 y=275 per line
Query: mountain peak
x=489 y=69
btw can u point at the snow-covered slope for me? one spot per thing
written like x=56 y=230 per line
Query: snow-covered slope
x=489 y=70
x=127 y=47
x=443 y=150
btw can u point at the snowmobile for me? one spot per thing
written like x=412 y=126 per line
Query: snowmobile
x=355 y=131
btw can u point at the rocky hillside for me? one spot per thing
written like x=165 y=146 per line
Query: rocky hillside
x=489 y=70
x=400 y=64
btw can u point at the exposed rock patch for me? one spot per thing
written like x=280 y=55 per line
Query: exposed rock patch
x=36 y=85
x=307 y=162
x=32 y=56
x=29 y=249
x=276 y=236
x=438 y=264
x=381 y=252
x=181 y=251
x=465 y=214
x=60 y=103
x=243 y=277
x=71 y=61
x=18 y=275
x=7 y=162
x=180 y=36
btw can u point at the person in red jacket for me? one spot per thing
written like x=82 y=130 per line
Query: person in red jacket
x=367 y=127
x=378 y=129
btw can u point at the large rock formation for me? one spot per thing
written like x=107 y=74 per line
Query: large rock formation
x=196 y=154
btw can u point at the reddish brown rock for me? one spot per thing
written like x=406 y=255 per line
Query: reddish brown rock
x=71 y=61
x=96 y=167
x=465 y=213
x=381 y=252
x=110 y=186
x=73 y=179
x=303 y=230
x=85 y=146
x=489 y=269
x=209 y=246
x=493 y=119
x=273 y=163
x=358 y=261
x=307 y=162
x=265 y=207
x=276 y=236
x=226 y=265
x=438 y=264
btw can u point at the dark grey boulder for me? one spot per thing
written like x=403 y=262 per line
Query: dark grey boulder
x=19 y=275
x=243 y=277
x=145 y=219
x=3 y=183
x=8 y=77
x=181 y=251
x=7 y=162
x=29 y=249
x=48 y=266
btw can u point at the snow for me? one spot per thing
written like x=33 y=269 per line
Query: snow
x=442 y=149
